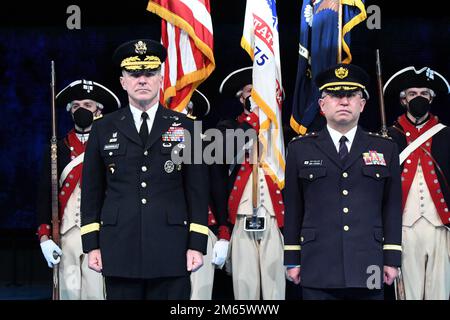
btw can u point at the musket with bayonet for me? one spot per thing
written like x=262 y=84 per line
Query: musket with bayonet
x=398 y=282
x=54 y=185
x=384 y=131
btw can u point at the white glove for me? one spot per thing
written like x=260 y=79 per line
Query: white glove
x=48 y=247
x=220 y=252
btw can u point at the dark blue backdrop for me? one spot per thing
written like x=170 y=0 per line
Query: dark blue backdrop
x=33 y=34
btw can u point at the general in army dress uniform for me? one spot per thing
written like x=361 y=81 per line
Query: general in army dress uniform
x=343 y=199
x=144 y=215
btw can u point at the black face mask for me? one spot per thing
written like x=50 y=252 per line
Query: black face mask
x=248 y=104
x=83 y=118
x=418 y=107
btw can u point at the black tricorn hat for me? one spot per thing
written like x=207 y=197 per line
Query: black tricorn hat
x=343 y=78
x=235 y=81
x=199 y=105
x=140 y=54
x=410 y=77
x=87 y=89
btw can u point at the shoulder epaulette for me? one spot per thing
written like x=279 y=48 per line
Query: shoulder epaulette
x=306 y=135
x=374 y=134
x=98 y=117
x=191 y=116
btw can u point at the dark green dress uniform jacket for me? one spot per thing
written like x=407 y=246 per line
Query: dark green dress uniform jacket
x=342 y=219
x=139 y=207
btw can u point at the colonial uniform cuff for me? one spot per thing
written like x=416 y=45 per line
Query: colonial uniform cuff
x=43 y=230
x=224 y=233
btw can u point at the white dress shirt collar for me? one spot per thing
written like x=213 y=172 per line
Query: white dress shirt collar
x=336 y=135
x=138 y=119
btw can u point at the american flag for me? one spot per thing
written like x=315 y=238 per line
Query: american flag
x=260 y=40
x=187 y=33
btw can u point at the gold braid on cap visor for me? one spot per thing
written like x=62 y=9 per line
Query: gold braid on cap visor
x=342 y=86
x=135 y=63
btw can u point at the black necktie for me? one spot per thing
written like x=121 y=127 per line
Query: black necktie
x=143 y=132
x=343 y=151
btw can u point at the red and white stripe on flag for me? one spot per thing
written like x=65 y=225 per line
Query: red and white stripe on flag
x=260 y=40
x=187 y=34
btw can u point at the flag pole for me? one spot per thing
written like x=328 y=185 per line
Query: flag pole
x=339 y=53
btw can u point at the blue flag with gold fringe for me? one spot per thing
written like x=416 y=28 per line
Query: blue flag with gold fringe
x=318 y=50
